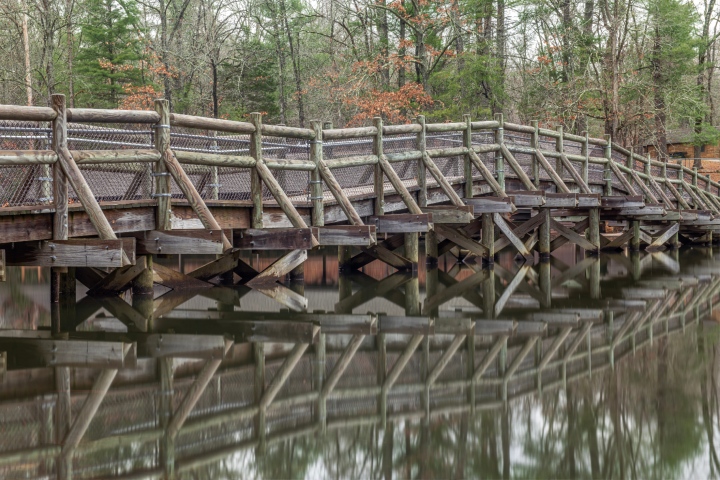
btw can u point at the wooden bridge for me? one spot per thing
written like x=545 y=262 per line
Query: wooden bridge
x=95 y=193
x=165 y=402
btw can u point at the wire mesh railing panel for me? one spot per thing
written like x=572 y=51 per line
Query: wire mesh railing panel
x=108 y=137
x=35 y=469
x=26 y=185
x=234 y=391
x=443 y=140
x=347 y=148
x=450 y=167
x=447 y=397
x=215 y=437
x=123 y=411
x=217 y=183
x=485 y=137
x=571 y=147
x=399 y=143
x=284 y=419
x=21 y=424
x=517 y=138
x=19 y=135
x=355 y=180
x=138 y=457
x=403 y=402
x=488 y=159
x=596 y=173
x=295 y=184
x=119 y=181
x=358 y=405
x=412 y=371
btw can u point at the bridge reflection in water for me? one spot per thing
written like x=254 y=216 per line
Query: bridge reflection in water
x=554 y=370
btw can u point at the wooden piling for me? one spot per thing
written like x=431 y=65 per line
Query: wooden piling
x=316 y=185
x=488 y=238
x=420 y=145
x=256 y=189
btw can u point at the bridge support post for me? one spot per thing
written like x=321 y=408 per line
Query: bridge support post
x=488 y=239
x=544 y=234
x=594 y=228
x=545 y=283
x=635 y=241
x=431 y=247
x=412 y=249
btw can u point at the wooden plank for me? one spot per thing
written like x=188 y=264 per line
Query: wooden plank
x=530 y=329
x=200 y=242
x=461 y=239
x=402 y=223
x=561 y=240
x=573 y=236
x=450 y=214
x=116 y=281
x=520 y=231
x=279 y=268
x=560 y=200
x=646 y=210
x=176 y=280
x=556 y=319
x=57 y=352
x=621 y=240
x=527 y=199
x=274 y=239
x=359 y=235
x=505 y=228
x=406 y=324
x=588 y=200
x=664 y=235
x=229 y=261
x=623 y=201
x=283 y=295
x=490 y=205
x=495 y=327
x=164 y=345
x=68 y=253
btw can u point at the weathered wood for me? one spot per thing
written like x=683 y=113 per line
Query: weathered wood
x=214 y=159
x=461 y=239
x=91 y=157
x=490 y=205
x=60 y=181
x=451 y=214
x=203 y=123
x=178 y=281
x=573 y=236
x=15 y=158
x=486 y=173
x=289 y=132
x=284 y=296
x=193 y=197
x=527 y=183
x=616 y=170
x=495 y=327
x=664 y=235
x=551 y=171
x=343 y=133
x=527 y=198
x=574 y=173
x=91 y=115
x=279 y=268
x=510 y=234
x=201 y=242
x=274 y=239
x=360 y=235
x=69 y=253
x=442 y=181
x=623 y=201
x=118 y=280
x=396 y=182
x=34 y=114
x=520 y=231
x=162 y=176
x=560 y=200
x=402 y=223
x=621 y=240
x=56 y=352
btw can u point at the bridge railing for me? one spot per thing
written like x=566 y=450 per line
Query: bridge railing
x=315 y=167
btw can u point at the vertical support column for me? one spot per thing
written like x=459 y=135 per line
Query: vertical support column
x=595 y=279
x=256 y=190
x=535 y=144
x=431 y=287
x=58 y=276
x=431 y=248
x=585 y=152
x=607 y=173
x=316 y=190
x=162 y=176
x=488 y=293
x=259 y=353
x=559 y=147
x=344 y=291
x=412 y=297
x=544 y=234
x=412 y=249
x=635 y=240
x=421 y=146
x=594 y=228
x=165 y=412
x=214 y=177
x=499 y=159
x=467 y=165
x=488 y=239
x=545 y=283
x=379 y=207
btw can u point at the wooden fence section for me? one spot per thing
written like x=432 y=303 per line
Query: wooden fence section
x=164 y=183
x=339 y=370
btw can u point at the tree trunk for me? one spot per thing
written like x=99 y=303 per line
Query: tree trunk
x=401 y=53
x=384 y=45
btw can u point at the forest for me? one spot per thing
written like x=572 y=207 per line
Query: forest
x=631 y=69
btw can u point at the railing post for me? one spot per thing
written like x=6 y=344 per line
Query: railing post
x=534 y=143
x=585 y=152
x=499 y=159
x=214 y=177
x=256 y=189
x=379 y=174
x=421 y=171
x=467 y=165
x=59 y=281
x=316 y=190
x=162 y=176
x=560 y=148
x=607 y=173
x=630 y=163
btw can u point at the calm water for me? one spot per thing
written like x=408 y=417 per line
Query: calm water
x=611 y=371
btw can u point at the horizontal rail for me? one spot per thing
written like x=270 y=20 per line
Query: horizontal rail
x=92 y=115
x=27 y=157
